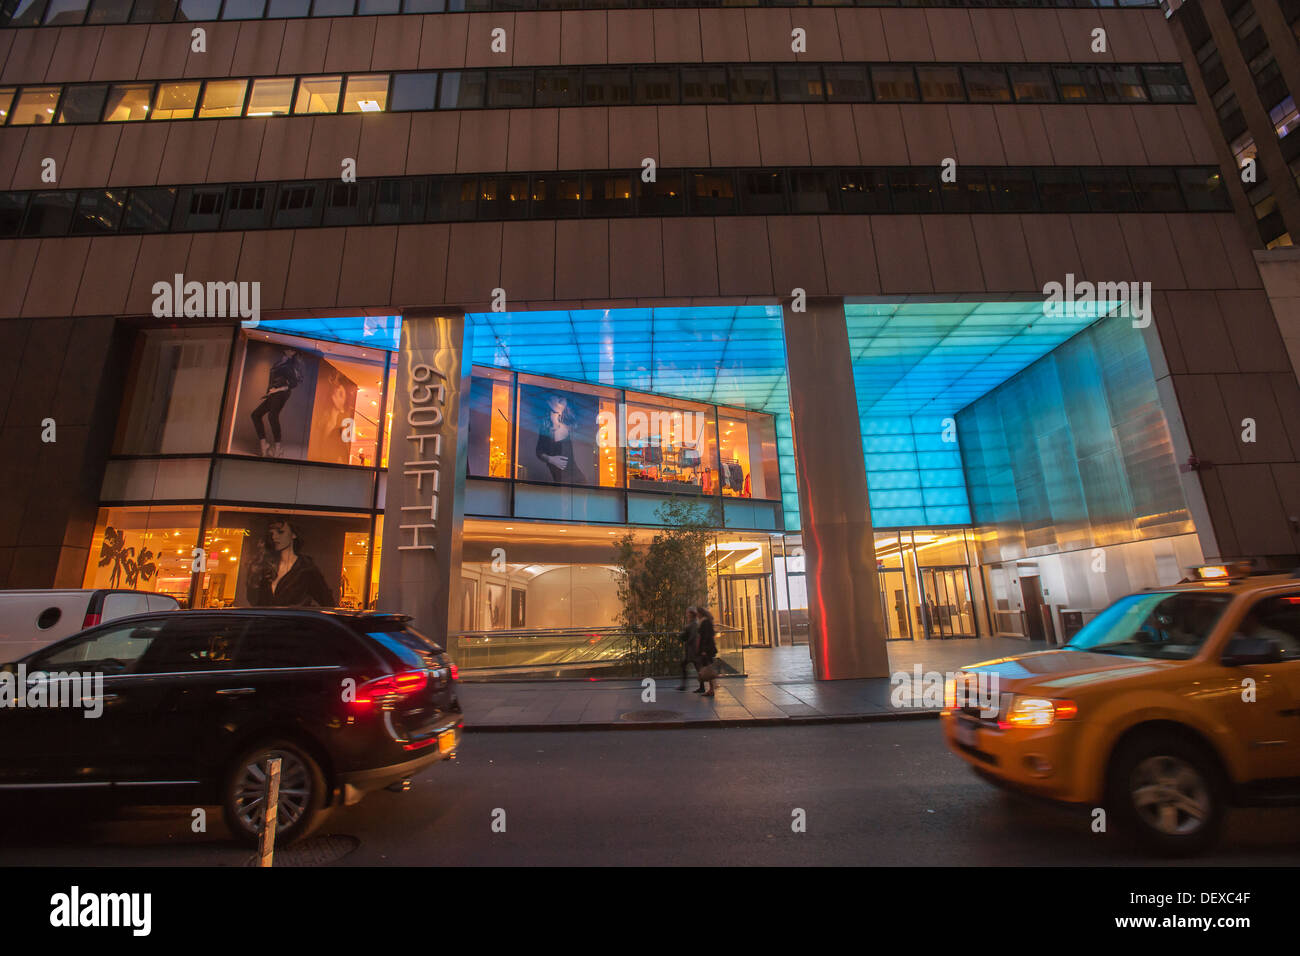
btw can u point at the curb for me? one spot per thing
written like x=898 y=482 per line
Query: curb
x=700 y=724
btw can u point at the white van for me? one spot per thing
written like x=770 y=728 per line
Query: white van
x=30 y=620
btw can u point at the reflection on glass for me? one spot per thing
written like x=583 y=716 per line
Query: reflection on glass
x=490 y=415
x=174 y=392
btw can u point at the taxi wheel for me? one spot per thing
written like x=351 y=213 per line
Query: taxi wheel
x=301 y=799
x=1168 y=792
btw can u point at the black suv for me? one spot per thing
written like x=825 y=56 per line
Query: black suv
x=194 y=704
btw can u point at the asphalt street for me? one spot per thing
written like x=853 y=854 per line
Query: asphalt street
x=872 y=794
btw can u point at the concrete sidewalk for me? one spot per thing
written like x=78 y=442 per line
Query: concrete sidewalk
x=779 y=689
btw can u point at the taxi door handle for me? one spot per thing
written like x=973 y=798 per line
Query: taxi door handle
x=237 y=691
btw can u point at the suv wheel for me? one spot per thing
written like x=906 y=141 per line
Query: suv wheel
x=1168 y=792
x=301 y=799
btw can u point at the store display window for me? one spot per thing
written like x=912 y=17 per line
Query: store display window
x=670 y=445
x=145 y=549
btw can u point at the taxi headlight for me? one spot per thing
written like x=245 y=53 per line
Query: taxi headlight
x=1038 y=712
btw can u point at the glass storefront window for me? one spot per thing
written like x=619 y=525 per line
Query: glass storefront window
x=173 y=392
x=306 y=400
x=491 y=415
x=558 y=432
x=671 y=445
x=147 y=549
x=271 y=558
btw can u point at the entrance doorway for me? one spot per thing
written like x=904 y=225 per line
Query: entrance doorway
x=946 y=607
x=745 y=605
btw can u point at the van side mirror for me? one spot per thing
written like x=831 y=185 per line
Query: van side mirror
x=1243 y=649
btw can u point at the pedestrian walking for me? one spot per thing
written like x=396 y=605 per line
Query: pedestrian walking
x=707 y=653
x=690 y=638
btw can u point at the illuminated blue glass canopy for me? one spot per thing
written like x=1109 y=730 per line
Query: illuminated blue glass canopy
x=915 y=364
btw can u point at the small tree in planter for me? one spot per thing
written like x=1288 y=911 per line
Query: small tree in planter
x=659 y=582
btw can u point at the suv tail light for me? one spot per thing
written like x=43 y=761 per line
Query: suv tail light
x=391 y=688
x=90 y=620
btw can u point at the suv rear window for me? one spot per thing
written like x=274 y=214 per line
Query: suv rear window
x=409 y=646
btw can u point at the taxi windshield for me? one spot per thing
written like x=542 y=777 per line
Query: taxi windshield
x=1170 y=625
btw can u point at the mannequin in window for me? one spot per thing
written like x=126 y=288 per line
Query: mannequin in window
x=555 y=442
x=281 y=575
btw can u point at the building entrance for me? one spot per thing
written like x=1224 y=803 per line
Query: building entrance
x=745 y=605
x=946 y=606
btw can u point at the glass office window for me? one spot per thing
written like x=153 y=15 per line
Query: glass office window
x=607 y=194
x=378 y=7
x=347 y=204
x=462 y=90
x=243 y=9
x=503 y=197
x=606 y=87
x=1122 y=84
x=1203 y=189
x=914 y=190
x=712 y=193
x=366 y=94
x=288 y=8
x=223 y=98
x=987 y=84
x=510 y=88
x=847 y=84
x=149 y=209
x=332 y=8
x=65 y=12
x=83 y=104
x=198 y=208
x=800 y=84
x=6 y=101
x=1078 y=84
x=415 y=91
x=864 y=190
x=704 y=84
x=270 y=98
x=27 y=13
x=894 y=84
x=173 y=394
x=751 y=84
x=176 y=100
x=305 y=400
x=318 y=94
x=453 y=199
x=109 y=11
x=1167 y=84
x=491 y=417
x=144 y=549
x=400 y=200
x=34 y=106
x=153 y=11
x=198 y=9
x=941 y=84
x=657 y=85
x=813 y=191
x=298 y=205
x=1033 y=84
x=1061 y=190
x=762 y=192
x=128 y=102
x=49 y=214
x=248 y=207
x=1109 y=190
x=1012 y=190
x=1157 y=190
x=98 y=211
x=555 y=196
x=13 y=206
x=557 y=87
x=970 y=193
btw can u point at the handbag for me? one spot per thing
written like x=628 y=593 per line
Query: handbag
x=708 y=672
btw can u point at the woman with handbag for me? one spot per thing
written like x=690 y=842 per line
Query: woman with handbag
x=690 y=638
x=708 y=652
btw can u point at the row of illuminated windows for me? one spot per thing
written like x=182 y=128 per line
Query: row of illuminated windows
x=30 y=13
x=706 y=192
x=646 y=85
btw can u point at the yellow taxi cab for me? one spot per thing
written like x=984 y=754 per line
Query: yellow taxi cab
x=1171 y=705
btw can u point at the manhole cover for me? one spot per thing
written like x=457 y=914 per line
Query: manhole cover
x=651 y=715
x=317 y=851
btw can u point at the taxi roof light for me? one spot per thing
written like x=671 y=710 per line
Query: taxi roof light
x=1222 y=572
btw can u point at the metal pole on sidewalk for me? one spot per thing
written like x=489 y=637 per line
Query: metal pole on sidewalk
x=267 y=844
